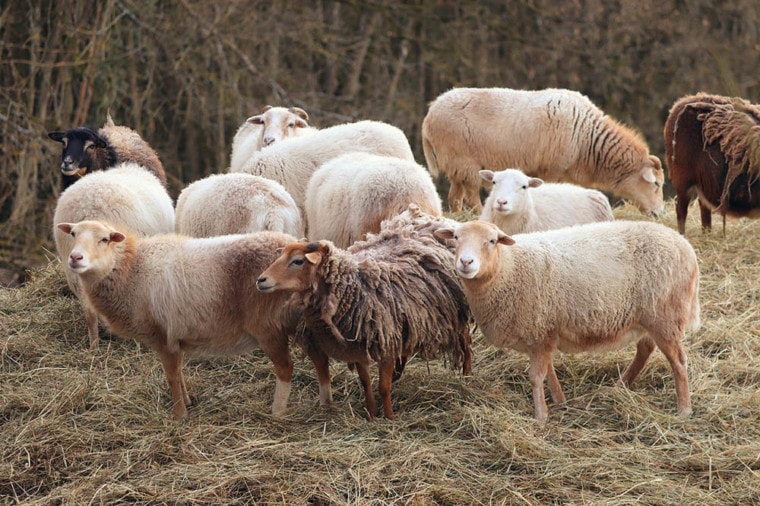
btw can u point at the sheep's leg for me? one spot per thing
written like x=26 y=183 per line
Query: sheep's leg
x=456 y=195
x=322 y=365
x=555 y=389
x=538 y=367
x=172 y=362
x=369 y=397
x=682 y=208
x=644 y=349
x=276 y=349
x=472 y=198
x=674 y=352
x=467 y=352
x=705 y=215
x=91 y=317
x=386 y=378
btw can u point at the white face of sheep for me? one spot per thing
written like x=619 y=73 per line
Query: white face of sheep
x=279 y=123
x=92 y=241
x=644 y=188
x=510 y=190
x=477 y=247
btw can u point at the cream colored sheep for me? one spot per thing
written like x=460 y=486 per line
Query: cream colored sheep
x=554 y=134
x=272 y=125
x=350 y=195
x=127 y=196
x=590 y=287
x=519 y=203
x=223 y=204
x=292 y=163
x=180 y=295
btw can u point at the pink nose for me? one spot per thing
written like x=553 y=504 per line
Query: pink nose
x=76 y=256
x=465 y=261
x=502 y=202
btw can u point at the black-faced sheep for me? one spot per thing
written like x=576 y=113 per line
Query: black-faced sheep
x=382 y=300
x=272 y=125
x=585 y=288
x=180 y=295
x=223 y=204
x=128 y=197
x=86 y=150
x=519 y=203
x=351 y=195
x=554 y=134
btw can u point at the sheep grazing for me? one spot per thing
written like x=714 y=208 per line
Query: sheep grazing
x=382 y=300
x=86 y=150
x=292 y=163
x=584 y=288
x=350 y=195
x=519 y=203
x=181 y=295
x=223 y=204
x=554 y=134
x=711 y=149
x=128 y=197
x=272 y=125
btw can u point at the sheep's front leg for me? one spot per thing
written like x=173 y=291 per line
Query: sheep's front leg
x=539 y=362
x=172 y=362
x=644 y=349
x=369 y=398
x=386 y=378
x=322 y=365
x=555 y=389
x=276 y=348
x=91 y=317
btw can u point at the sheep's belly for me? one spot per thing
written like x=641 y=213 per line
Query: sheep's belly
x=578 y=343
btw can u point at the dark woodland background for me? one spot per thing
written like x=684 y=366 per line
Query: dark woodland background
x=186 y=73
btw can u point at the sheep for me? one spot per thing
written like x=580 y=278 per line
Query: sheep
x=272 y=125
x=222 y=204
x=127 y=196
x=381 y=300
x=352 y=194
x=554 y=134
x=292 y=163
x=589 y=287
x=519 y=203
x=180 y=295
x=86 y=150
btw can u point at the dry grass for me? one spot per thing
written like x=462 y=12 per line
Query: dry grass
x=81 y=427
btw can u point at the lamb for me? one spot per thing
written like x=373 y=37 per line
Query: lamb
x=127 y=196
x=222 y=204
x=589 y=287
x=518 y=203
x=180 y=295
x=554 y=134
x=292 y=163
x=352 y=194
x=86 y=150
x=381 y=300
x=272 y=125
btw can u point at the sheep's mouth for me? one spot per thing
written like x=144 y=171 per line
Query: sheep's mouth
x=263 y=286
x=70 y=170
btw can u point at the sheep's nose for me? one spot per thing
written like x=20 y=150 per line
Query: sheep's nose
x=502 y=202
x=466 y=261
x=262 y=279
x=268 y=141
x=76 y=256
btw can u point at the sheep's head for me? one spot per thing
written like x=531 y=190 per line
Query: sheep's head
x=279 y=123
x=93 y=246
x=477 y=252
x=510 y=190
x=79 y=147
x=643 y=186
x=295 y=269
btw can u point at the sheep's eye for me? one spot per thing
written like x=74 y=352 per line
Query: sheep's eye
x=291 y=125
x=456 y=237
x=525 y=187
x=91 y=146
x=492 y=242
x=73 y=234
x=296 y=262
x=104 y=240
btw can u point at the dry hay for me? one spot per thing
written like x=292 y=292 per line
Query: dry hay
x=81 y=427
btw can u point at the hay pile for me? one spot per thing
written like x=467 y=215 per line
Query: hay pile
x=81 y=427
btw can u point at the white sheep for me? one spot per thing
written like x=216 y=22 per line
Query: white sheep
x=589 y=287
x=292 y=163
x=272 y=125
x=222 y=204
x=352 y=194
x=127 y=196
x=180 y=295
x=554 y=134
x=518 y=203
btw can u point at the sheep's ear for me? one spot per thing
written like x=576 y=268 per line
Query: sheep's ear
x=300 y=113
x=100 y=142
x=301 y=123
x=65 y=227
x=256 y=120
x=648 y=174
x=505 y=239
x=56 y=136
x=117 y=237
x=314 y=257
x=266 y=108
x=444 y=233
x=486 y=175
x=535 y=182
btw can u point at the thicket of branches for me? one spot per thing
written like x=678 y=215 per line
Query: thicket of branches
x=185 y=74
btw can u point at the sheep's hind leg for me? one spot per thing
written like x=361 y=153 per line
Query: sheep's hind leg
x=674 y=352
x=384 y=385
x=555 y=389
x=369 y=398
x=644 y=349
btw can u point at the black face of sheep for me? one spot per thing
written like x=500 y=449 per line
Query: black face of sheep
x=83 y=149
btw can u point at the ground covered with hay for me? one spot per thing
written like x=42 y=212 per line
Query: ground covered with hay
x=83 y=427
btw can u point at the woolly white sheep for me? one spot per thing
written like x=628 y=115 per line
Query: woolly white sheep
x=272 y=125
x=589 y=287
x=292 y=163
x=223 y=204
x=181 y=295
x=519 y=203
x=86 y=150
x=554 y=134
x=352 y=194
x=382 y=300
x=127 y=196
